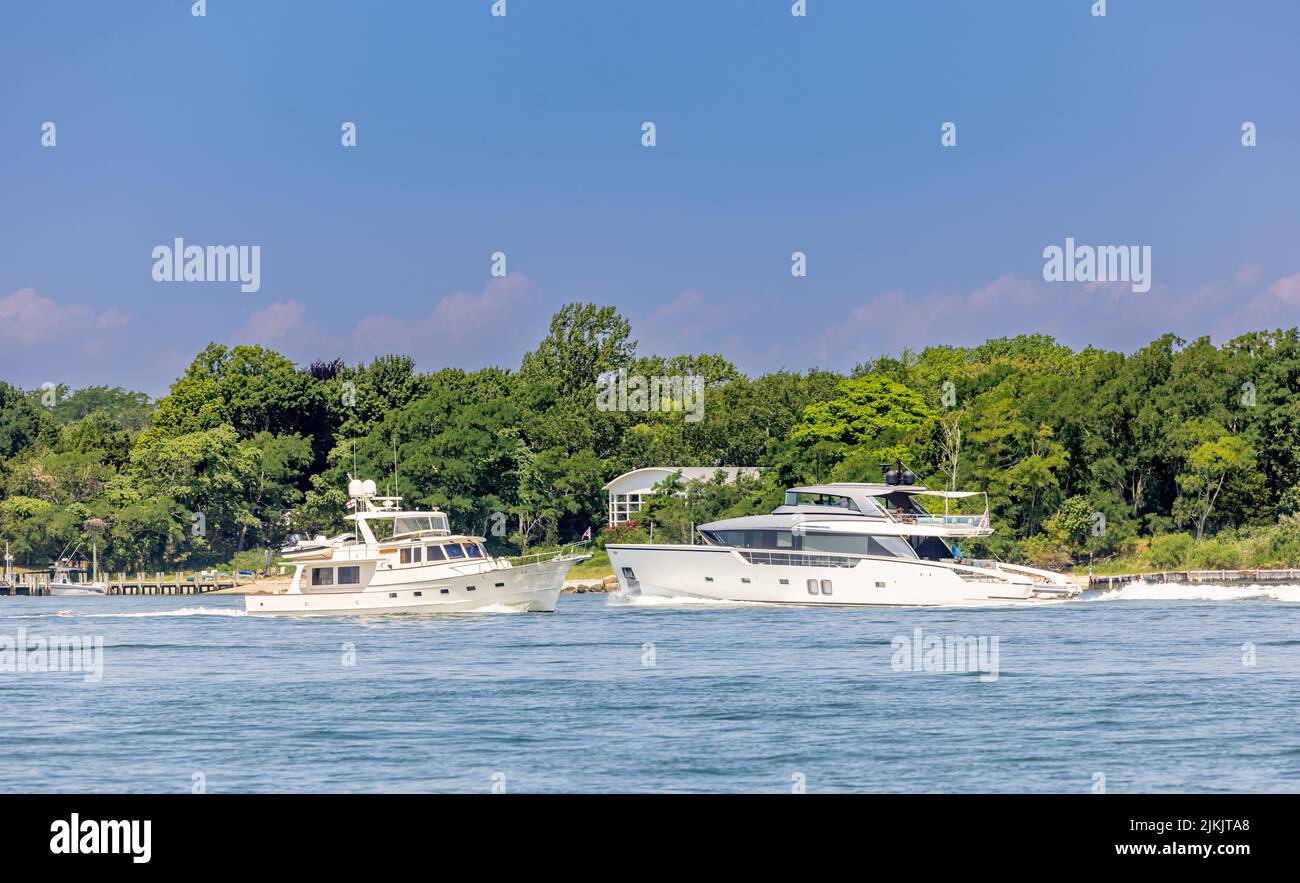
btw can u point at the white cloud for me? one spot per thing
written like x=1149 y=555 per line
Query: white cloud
x=464 y=329
x=32 y=320
x=272 y=323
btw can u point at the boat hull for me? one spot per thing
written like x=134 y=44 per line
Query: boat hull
x=531 y=588
x=76 y=589
x=724 y=574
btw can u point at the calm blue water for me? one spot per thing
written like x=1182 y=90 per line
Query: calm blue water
x=1151 y=694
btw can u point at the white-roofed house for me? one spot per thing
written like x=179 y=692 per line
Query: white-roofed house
x=627 y=491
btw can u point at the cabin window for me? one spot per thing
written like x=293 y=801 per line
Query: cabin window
x=322 y=576
x=434 y=553
x=813 y=587
x=757 y=539
x=411 y=555
x=895 y=546
x=350 y=576
x=826 y=587
x=454 y=551
x=473 y=551
x=838 y=544
x=835 y=501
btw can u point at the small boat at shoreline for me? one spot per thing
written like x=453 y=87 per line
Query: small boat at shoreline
x=69 y=579
x=408 y=561
x=840 y=544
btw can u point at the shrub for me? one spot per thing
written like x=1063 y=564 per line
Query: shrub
x=1220 y=553
x=1169 y=551
x=1043 y=551
x=623 y=532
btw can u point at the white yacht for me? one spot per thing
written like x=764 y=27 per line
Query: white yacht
x=846 y=544
x=68 y=579
x=409 y=561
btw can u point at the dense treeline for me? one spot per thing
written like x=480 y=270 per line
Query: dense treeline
x=1181 y=453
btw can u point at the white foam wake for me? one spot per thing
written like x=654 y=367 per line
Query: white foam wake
x=1144 y=591
x=619 y=599
x=135 y=614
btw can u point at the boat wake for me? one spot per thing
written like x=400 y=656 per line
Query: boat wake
x=1144 y=591
x=499 y=608
x=136 y=614
x=619 y=599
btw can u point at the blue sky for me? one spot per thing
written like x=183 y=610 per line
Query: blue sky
x=522 y=134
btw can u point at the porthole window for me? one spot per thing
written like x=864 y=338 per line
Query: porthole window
x=826 y=587
x=812 y=587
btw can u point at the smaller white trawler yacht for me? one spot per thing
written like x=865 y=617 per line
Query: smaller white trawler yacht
x=845 y=544
x=409 y=561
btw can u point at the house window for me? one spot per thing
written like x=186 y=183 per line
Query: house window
x=322 y=576
x=623 y=506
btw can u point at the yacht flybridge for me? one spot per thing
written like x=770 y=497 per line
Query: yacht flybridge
x=408 y=561
x=847 y=544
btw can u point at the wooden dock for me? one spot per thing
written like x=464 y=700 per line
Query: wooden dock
x=157 y=583
x=178 y=583
x=1212 y=577
x=18 y=588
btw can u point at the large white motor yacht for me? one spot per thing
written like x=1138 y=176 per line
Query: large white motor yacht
x=409 y=561
x=846 y=544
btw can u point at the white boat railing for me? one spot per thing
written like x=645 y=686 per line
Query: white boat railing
x=568 y=549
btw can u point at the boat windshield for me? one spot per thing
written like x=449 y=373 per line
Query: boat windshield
x=416 y=524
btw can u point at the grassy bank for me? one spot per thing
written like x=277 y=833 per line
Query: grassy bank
x=597 y=567
x=1266 y=548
